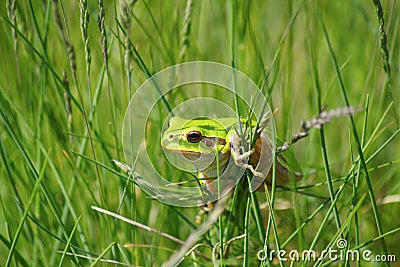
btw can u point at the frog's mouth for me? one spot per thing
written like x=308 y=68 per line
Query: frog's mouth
x=187 y=154
x=204 y=162
x=201 y=160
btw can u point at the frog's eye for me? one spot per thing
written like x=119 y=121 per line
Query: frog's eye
x=194 y=136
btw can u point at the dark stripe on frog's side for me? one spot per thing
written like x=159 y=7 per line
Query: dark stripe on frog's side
x=221 y=141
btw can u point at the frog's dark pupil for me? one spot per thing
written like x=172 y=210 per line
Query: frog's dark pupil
x=194 y=136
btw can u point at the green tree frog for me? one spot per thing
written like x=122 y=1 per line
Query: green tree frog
x=210 y=143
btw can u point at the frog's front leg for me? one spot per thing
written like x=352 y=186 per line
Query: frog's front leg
x=240 y=157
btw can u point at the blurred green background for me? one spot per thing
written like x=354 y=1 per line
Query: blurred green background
x=62 y=110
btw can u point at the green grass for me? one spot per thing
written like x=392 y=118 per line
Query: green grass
x=67 y=79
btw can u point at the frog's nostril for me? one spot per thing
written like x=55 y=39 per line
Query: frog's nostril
x=171 y=136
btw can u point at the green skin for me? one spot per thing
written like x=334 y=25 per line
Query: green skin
x=198 y=140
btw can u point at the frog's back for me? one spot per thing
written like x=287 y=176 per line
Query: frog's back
x=181 y=124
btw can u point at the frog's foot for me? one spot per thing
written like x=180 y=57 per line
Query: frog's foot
x=240 y=158
x=265 y=120
x=199 y=216
x=204 y=210
x=249 y=167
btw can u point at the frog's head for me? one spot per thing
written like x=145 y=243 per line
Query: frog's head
x=194 y=138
